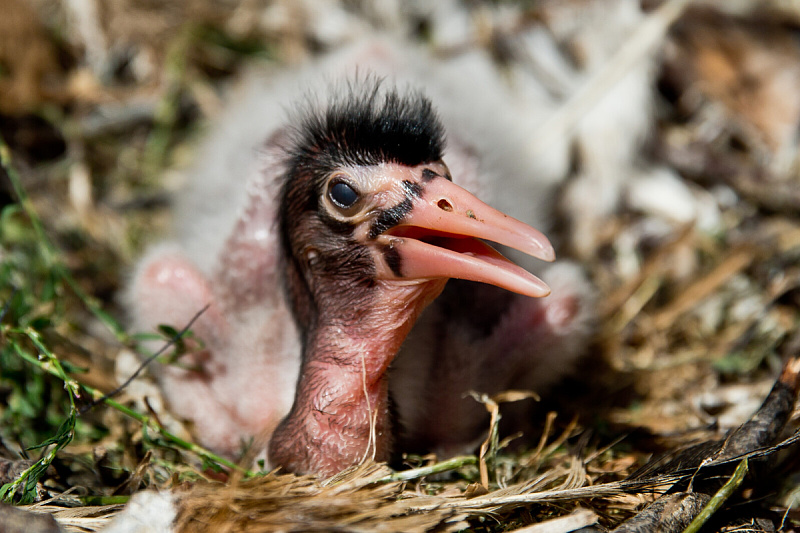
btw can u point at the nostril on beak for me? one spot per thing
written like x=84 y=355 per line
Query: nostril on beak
x=445 y=205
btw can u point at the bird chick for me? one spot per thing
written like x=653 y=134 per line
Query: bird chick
x=349 y=221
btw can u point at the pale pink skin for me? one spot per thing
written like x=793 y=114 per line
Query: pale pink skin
x=341 y=412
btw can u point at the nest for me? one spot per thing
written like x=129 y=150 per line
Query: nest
x=694 y=323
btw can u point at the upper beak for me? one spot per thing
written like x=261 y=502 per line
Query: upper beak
x=439 y=238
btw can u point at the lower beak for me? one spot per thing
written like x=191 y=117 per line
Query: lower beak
x=440 y=238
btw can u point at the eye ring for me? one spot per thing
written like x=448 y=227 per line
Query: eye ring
x=343 y=196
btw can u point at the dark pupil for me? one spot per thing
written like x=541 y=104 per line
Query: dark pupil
x=343 y=195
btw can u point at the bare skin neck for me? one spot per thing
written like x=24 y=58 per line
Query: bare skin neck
x=340 y=415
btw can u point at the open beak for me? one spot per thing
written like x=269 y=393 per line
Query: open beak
x=440 y=238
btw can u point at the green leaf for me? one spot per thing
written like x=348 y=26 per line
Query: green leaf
x=62 y=437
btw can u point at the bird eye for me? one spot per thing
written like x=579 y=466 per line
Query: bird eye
x=342 y=194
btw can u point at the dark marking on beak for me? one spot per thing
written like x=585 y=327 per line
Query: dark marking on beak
x=428 y=175
x=393 y=259
x=389 y=218
x=413 y=190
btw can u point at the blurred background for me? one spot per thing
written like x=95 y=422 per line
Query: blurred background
x=669 y=128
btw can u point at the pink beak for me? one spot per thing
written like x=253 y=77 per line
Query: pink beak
x=439 y=238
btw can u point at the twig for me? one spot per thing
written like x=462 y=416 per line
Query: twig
x=719 y=498
x=438 y=468
x=736 y=261
x=175 y=338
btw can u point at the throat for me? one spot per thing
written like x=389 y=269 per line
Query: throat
x=340 y=415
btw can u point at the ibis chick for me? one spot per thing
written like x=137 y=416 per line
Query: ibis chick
x=347 y=225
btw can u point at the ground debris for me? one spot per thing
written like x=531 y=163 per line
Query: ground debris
x=731 y=78
x=301 y=503
x=673 y=512
x=707 y=463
